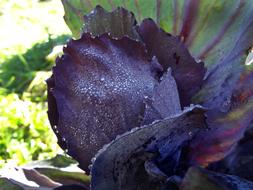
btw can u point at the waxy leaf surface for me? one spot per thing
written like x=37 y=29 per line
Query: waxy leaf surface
x=217 y=32
x=240 y=161
x=226 y=129
x=121 y=164
x=99 y=88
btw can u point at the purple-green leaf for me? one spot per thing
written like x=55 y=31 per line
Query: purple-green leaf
x=117 y=24
x=226 y=129
x=210 y=29
x=240 y=161
x=229 y=30
x=171 y=52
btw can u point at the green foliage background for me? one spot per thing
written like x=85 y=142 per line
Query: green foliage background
x=30 y=30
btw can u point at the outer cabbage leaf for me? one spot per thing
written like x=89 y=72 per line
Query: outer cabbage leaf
x=123 y=163
x=141 y=8
x=74 y=12
x=225 y=22
x=226 y=51
x=98 y=87
x=244 y=89
x=240 y=161
x=226 y=129
x=218 y=87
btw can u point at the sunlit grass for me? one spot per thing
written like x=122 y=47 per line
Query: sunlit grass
x=24 y=133
x=29 y=31
x=26 y=22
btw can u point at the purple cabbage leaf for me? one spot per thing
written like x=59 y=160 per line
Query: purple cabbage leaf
x=142 y=108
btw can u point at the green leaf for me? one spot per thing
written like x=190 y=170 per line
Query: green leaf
x=211 y=29
x=59 y=161
x=74 y=11
x=8 y=185
x=65 y=177
x=44 y=175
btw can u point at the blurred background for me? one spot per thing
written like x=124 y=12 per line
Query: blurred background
x=31 y=36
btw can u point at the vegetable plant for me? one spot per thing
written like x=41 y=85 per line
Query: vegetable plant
x=157 y=103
